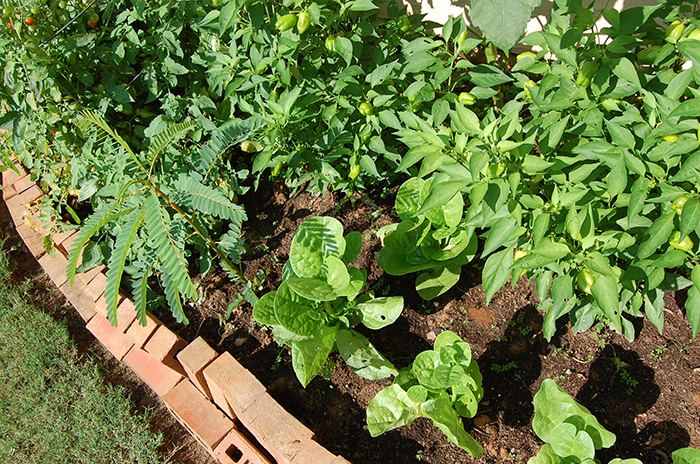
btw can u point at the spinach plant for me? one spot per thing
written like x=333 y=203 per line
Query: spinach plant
x=442 y=384
x=319 y=300
x=435 y=240
x=571 y=433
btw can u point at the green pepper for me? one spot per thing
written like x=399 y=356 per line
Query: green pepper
x=461 y=38
x=670 y=138
x=694 y=34
x=495 y=170
x=465 y=98
x=330 y=44
x=404 y=24
x=586 y=74
x=648 y=55
x=365 y=133
x=678 y=204
x=585 y=280
x=303 y=22
x=354 y=171
x=276 y=169
x=530 y=84
x=674 y=31
x=684 y=245
x=524 y=54
x=519 y=253
x=365 y=108
x=286 y=22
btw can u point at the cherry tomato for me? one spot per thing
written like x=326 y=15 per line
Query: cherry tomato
x=29 y=21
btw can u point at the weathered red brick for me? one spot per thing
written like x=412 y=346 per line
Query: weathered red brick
x=89 y=275
x=80 y=301
x=96 y=287
x=287 y=439
x=101 y=305
x=23 y=183
x=29 y=195
x=262 y=416
x=8 y=191
x=9 y=176
x=219 y=375
x=235 y=448
x=194 y=358
x=341 y=460
x=313 y=453
x=242 y=391
x=55 y=267
x=164 y=345
x=116 y=342
x=140 y=334
x=155 y=374
x=196 y=413
x=33 y=240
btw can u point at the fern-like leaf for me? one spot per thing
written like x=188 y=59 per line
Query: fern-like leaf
x=168 y=246
x=141 y=296
x=172 y=295
x=168 y=135
x=117 y=262
x=89 y=119
x=228 y=135
x=232 y=243
x=205 y=199
x=95 y=222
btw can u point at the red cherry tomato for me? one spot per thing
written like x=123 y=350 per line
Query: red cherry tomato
x=9 y=24
x=29 y=21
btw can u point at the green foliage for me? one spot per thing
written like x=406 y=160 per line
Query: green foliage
x=319 y=301
x=570 y=432
x=573 y=176
x=155 y=212
x=686 y=456
x=442 y=384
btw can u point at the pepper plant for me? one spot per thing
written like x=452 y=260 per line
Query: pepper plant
x=588 y=175
x=319 y=301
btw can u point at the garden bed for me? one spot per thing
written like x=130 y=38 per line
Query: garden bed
x=646 y=391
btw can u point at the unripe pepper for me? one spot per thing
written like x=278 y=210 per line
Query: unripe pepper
x=648 y=55
x=678 y=203
x=530 y=84
x=462 y=37
x=286 y=22
x=684 y=245
x=330 y=44
x=365 y=108
x=465 y=98
x=694 y=34
x=303 y=22
x=586 y=74
x=585 y=280
x=674 y=31
x=524 y=54
x=404 y=24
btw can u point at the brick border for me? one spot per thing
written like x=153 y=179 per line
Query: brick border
x=212 y=395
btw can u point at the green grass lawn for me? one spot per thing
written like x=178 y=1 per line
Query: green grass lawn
x=54 y=405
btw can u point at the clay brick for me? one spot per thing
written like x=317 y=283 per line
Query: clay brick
x=60 y=237
x=287 y=439
x=164 y=345
x=55 y=267
x=101 y=305
x=82 y=303
x=8 y=192
x=235 y=448
x=194 y=358
x=33 y=221
x=88 y=276
x=29 y=195
x=196 y=413
x=68 y=244
x=262 y=416
x=9 y=176
x=156 y=375
x=313 y=453
x=16 y=208
x=33 y=240
x=96 y=287
x=340 y=460
x=219 y=375
x=140 y=334
x=116 y=342
x=23 y=183
x=125 y=313
x=242 y=391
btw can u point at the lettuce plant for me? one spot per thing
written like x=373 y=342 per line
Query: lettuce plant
x=571 y=433
x=442 y=384
x=429 y=239
x=319 y=301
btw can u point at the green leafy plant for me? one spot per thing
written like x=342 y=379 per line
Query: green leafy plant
x=570 y=432
x=442 y=384
x=156 y=209
x=432 y=239
x=319 y=301
x=686 y=456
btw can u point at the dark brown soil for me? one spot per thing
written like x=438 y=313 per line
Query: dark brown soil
x=646 y=392
x=178 y=444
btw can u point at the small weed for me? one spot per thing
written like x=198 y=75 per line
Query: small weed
x=419 y=455
x=559 y=351
x=657 y=353
x=505 y=367
x=631 y=383
x=327 y=370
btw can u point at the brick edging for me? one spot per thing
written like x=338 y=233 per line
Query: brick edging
x=220 y=402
